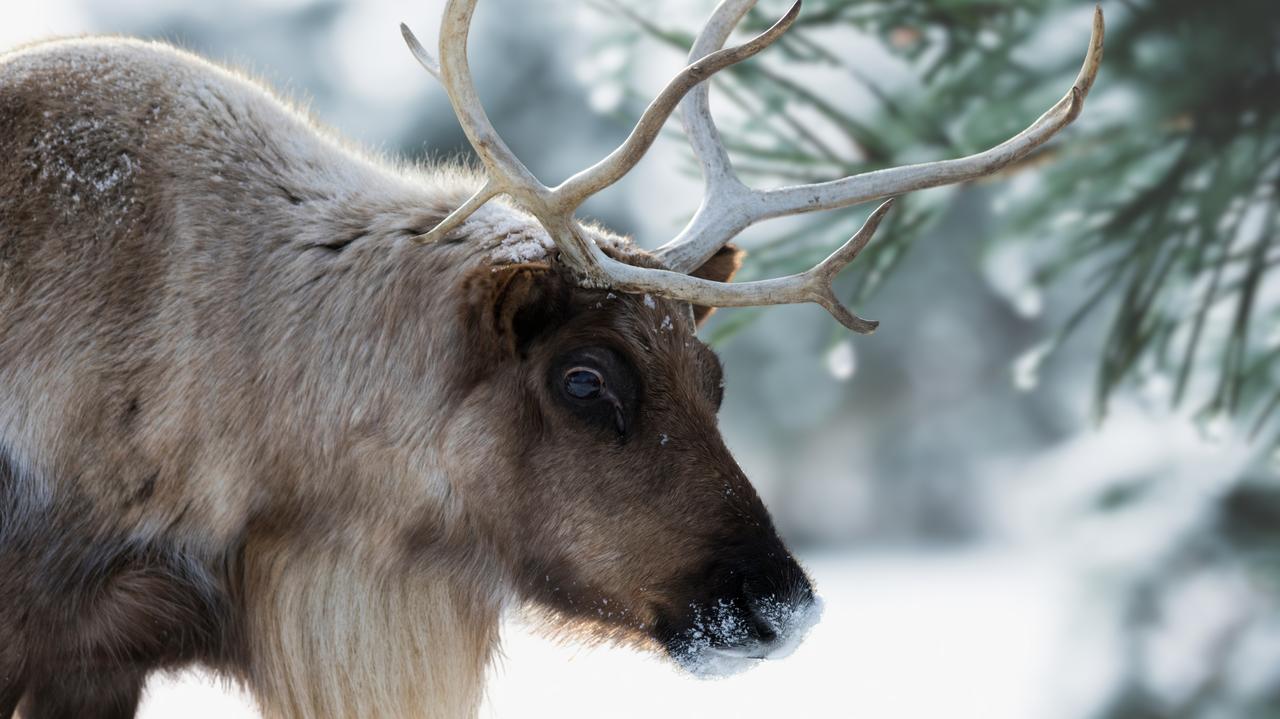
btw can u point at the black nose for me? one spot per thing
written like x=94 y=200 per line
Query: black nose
x=765 y=617
x=751 y=610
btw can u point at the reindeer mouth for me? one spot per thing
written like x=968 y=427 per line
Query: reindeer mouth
x=730 y=637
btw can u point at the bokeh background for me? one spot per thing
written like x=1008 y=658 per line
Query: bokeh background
x=1048 y=485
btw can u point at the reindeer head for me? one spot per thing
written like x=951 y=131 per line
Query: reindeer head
x=603 y=482
x=607 y=484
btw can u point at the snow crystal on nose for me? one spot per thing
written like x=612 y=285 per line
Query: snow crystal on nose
x=697 y=655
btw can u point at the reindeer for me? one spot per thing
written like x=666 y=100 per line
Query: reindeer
x=314 y=419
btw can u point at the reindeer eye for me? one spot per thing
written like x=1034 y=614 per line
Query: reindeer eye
x=577 y=382
x=583 y=383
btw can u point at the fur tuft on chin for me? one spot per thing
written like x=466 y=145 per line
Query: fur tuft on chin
x=610 y=628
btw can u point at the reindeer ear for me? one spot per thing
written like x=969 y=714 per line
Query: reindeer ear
x=722 y=266
x=510 y=305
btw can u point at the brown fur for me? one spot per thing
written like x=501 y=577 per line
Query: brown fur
x=245 y=421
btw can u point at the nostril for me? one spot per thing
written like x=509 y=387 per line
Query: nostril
x=757 y=603
x=761 y=624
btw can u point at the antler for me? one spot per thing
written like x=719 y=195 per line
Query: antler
x=729 y=206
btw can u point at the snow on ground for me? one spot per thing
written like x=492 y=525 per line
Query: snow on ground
x=904 y=635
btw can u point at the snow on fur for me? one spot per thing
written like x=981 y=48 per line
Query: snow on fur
x=521 y=238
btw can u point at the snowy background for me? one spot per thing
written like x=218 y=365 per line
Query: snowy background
x=942 y=486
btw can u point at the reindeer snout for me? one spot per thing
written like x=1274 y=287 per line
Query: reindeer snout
x=762 y=614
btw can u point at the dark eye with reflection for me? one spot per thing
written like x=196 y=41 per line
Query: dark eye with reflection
x=599 y=386
x=583 y=383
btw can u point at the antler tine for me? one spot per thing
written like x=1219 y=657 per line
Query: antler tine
x=613 y=167
x=506 y=172
x=460 y=215
x=420 y=53
x=695 y=110
x=825 y=273
x=731 y=207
